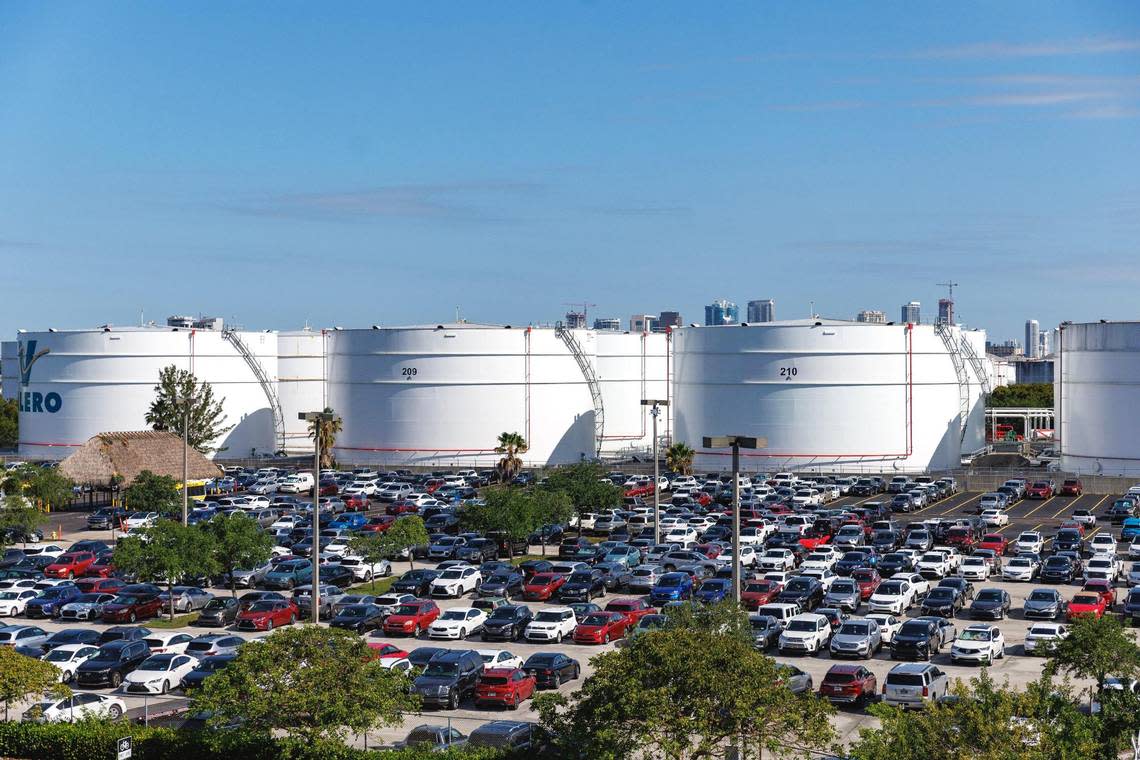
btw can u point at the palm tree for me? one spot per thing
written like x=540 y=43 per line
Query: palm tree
x=679 y=458
x=510 y=446
x=327 y=430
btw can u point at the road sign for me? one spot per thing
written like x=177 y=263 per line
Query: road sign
x=123 y=747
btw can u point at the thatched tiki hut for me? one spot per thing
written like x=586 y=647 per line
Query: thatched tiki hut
x=118 y=458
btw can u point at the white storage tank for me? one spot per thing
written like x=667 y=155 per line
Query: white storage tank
x=828 y=395
x=82 y=382
x=631 y=367
x=9 y=369
x=442 y=394
x=1097 y=397
x=300 y=383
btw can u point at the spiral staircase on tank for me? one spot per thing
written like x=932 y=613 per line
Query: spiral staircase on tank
x=266 y=385
x=595 y=387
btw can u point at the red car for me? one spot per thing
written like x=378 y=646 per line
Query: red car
x=995 y=541
x=868 y=579
x=398 y=508
x=433 y=485
x=99 y=585
x=601 y=628
x=1040 y=489
x=1077 y=526
x=633 y=609
x=356 y=502
x=543 y=586
x=379 y=524
x=265 y=616
x=101 y=567
x=128 y=608
x=756 y=593
x=852 y=684
x=70 y=565
x=504 y=686
x=1087 y=603
x=384 y=650
x=411 y=617
x=814 y=541
x=1072 y=487
x=1104 y=588
x=712 y=551
x=328 y=488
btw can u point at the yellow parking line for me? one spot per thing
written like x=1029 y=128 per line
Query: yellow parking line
x=1039 y=506
x=958 y=506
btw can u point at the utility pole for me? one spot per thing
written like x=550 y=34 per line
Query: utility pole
x=316 y=418
x=736 y=442
x=185 y=461
x=656 y=405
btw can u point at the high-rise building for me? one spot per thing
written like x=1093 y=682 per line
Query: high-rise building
x=871 y=316
x=642 y=323
x=945 y=311
x=912 y=313
x=667 y=321
x=1032 y=339
x=1046 y=343
x=607 y=323
x=575 y=320
x=722 y=312
x=762 y=311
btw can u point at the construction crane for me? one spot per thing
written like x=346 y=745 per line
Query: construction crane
x=584 y=306
x=951 y=285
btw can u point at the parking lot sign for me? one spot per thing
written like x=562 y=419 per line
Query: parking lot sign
x=123 y=748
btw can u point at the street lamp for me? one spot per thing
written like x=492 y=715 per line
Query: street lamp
x=317 y=418
x=656 y=405
x=736 y=442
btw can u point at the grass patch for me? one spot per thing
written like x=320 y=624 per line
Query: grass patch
x=180 y=621
x=382 y=586
x=526 y=557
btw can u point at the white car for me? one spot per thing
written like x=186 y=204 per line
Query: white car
x=933 y=565
x=895 y=596
x=267 y=486
x=456 y=581
x=168 y=642
x=301 y=482
x=137 y=520
x=1134 y=575
x=685 y=536
x=13 y=601
x=286 y=522
x=919 y=585
x=457 y=623
x=1104 y=567
x=76 y=707
x=1029 y=541
x=50 y=550
x=1103 y=543
x=974 y=569
x=777 y=559
x=824 y=576
x=68 y=657
x=981 y=643
x=364 y=571
x=551 y=624
x=888 y=624
x=499 y=658
x=393 y=491
x=11 y=584
x=995 y=518
x=256 y=502
x=1020 y=569
x=807 y=632
x=398 y=664
x=820 y=560
x=1134 y=548
x=747 y=557
x=1041 y=637
x=159 y=673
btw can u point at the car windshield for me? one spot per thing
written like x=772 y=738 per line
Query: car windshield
x=354 y=611
x=56 y=655
x=261 y=606
x=1085 y=599
x=801 y=625
x=844 y=586
x=975 y=635
x=441 y=669
x=1042 y=595
x=581 y=578
x=914 y=628
x=451 y=574
x=548 y=617
x=454 y=615
x=157 y=662
x=407 y=609
x=889 y=589
x=797 y=585
x=989 y=595
x=1056 y=562
x=941 y=593
x=1021 y=562
x=855 y=629
x=1043 y=630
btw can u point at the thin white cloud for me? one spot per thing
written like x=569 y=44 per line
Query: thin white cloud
x=823 y=105
x=1000 y=49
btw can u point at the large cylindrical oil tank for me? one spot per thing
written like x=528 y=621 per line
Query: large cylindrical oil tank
x=1097 y=397
x=300 y=383
x=826 y=394
x=982 y=376
x=77 y=383
x=442 y=394
x=9 y=369
x=631 y=367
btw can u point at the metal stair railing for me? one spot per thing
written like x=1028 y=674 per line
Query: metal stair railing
x=591 y=381
x=976 y=364
x=944 y=333
x=264 y=381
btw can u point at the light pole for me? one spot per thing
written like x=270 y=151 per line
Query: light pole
x=736 y=442
x=316 y=418
x=185 y=462
x=656 y=405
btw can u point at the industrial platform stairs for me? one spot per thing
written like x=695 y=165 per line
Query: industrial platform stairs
x=945 y=333
x=266 y=384
x=587 y=369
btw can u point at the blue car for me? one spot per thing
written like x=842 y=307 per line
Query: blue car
x=288 y=574
x=714 y=590
x=1131 y=529
x=50 y=600
x=350 y=521
x=672 y=587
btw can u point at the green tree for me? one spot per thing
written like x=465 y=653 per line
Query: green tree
x=154 y=493
x=167 y=552
x=238 y=542
x=516 y=512
x=679 y=458
x=181 y=401
x=587 y=486
x=684 y=693
x=312 y=682
x=1038 y=395
x=372 y=548
x=326 y=431
x=1096 y=648
x=723 y=619
x=9 y=423
x=405 y=534
x=22 y=677
x=43 y=487
x=511 y=445
x=18 y=519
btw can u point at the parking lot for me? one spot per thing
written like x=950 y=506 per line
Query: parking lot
x=1043 y=515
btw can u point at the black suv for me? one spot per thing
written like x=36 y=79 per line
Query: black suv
x=448 y=678
x=507 y=623
x=478 y=550
x=582 y=586
x=805 y=591
x=503 y=734
x=112 y=663
x=916 y=640
x=106 y=518
x=416 y=582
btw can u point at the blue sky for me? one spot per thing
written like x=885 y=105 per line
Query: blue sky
x=353 y=164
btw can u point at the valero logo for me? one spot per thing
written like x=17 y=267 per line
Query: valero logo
x=33 y=401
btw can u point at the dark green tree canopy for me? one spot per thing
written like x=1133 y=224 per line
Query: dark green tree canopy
x=9 y=423
x=180 y=397
x=515 y=511
x=1038 y=395
x=238 y=542
x=586 y=485
x=406 y=532
x=167 y=553
x=154 y=493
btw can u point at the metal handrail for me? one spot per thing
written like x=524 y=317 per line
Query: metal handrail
x=266 y=384
x=591 y=381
